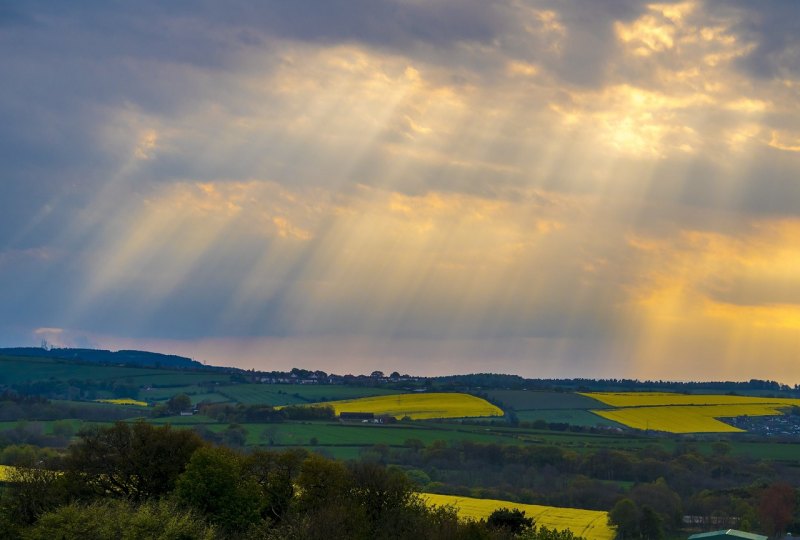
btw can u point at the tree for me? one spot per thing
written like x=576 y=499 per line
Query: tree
x=179 y=403
x=31 y=492
x=120 y=519
x=625 y=517
x=650 y=524
x=776 y=508
x=321 y=480
x=215 y=485
x=234 y=435
x=662 y=499
x=135 y=461
x=275 y=474
x=379 y=490
x=512 y=521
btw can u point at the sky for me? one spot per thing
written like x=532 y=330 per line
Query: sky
x=549 y=188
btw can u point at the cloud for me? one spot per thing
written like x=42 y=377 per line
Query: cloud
x=417 y=177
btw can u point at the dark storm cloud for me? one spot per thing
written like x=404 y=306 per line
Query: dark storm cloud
x=773 y=26
x=399 y=169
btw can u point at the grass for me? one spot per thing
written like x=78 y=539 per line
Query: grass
x=589 y=524
x=338 y=434
x=685 y=413
x=526 y=400
x=575 y=417
x=420 y=406
x=195 y=419
x=296 y=394
x=20 y=369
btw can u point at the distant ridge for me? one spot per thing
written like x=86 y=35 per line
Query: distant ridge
x=99 y=356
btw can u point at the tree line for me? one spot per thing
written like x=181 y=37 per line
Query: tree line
x=137 y=481
x=660 y=486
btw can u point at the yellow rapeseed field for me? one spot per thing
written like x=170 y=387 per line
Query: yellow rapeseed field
x=418 y=406
x=123 y=401
x=590 y=524
x=684 y=413
x=645 y=399
x=5 y=472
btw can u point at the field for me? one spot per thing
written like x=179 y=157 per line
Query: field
x=589 y=524
x=575 y=417
x=526 y=400
x=650 y=399
x=419 y=406
x=5 y=473
x=21 y=369
x=685 y=413
x=123 y=401
x=294 y=394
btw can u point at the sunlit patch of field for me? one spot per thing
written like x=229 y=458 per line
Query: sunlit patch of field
x=6 y=472
x=649 y=399
x=419 y=406
x=685 y=413
x=589 y=524
x=685 y=418
x=123 y=401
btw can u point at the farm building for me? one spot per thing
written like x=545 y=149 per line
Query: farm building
x=356 y=416
x=729 y=534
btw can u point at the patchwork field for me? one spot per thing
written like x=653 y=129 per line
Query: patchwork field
x=419 y=406
x=589 y=524
x=123 y=401
x=527 y=400
x=574 y=417
x=649 y=399
x=685 y=413
x=295 y=394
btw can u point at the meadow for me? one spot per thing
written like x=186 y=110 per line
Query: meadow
x=296 y=394
x=685 y=413
x=419 y=406
x=527 y=400
x=589 y=524
x=573 y=417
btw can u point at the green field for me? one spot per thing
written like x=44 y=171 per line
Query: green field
x=350 y=439
x=552 y=407
x=526 y=400
x=296 y=394
x=14 y=370
x=575 y=417
x=193 y=420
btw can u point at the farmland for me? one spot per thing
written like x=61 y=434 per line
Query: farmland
x=649 y=399
x=556 y=448
x=5 y=473
x=527 y=400
x=589 y=524
x=685 y=413
x=686 y=418
x=295 y=394
x=419 y=406
x=123 y=401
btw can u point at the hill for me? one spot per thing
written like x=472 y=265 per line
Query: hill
x=99 y=356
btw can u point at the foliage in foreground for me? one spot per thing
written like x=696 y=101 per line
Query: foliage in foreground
x=138 y=481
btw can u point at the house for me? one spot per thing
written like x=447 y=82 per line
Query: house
x=357 y=416
x=729 y=534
